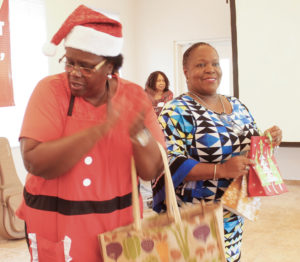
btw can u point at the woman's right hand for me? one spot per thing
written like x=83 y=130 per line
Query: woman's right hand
x=234 y=167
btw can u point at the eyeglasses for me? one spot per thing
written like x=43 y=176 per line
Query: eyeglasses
x=236 y=128
x=84 y=71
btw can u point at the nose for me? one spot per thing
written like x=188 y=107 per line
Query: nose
x=76 y=71
x=209 y=68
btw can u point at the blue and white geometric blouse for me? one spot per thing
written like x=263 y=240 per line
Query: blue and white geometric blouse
x=196 y=134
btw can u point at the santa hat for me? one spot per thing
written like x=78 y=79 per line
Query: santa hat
x=88 y=30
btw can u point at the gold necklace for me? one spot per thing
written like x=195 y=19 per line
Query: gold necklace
x=223 y=107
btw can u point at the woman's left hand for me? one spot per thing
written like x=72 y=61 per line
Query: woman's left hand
x=276 y=135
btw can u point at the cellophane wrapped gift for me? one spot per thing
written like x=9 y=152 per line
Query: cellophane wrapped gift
x=236 y=200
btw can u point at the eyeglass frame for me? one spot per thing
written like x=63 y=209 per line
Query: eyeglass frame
x=80 y=68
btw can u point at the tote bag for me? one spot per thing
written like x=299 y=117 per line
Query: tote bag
x=195 y=233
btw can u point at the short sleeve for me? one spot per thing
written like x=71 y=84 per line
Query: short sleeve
x=44 y=119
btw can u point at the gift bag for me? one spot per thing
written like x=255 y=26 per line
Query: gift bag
x=236 y=199
x=264 y=177
x=195 y=233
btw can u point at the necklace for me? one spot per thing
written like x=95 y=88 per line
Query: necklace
x=223 y=107
x=236 y=128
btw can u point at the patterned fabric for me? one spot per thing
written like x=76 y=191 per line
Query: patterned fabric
x=196 y=239
x=195 y=134
x=233 y=230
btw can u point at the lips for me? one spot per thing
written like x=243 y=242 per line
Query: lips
x=210 y=79
x=76 y=86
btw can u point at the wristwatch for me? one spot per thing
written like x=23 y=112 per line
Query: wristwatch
x=143 y=137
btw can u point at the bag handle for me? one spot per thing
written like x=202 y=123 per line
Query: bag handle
x=171 y=202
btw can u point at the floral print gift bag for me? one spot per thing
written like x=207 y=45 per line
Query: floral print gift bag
x=195 y=233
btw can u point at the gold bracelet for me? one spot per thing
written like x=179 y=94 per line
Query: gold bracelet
x=215 y=171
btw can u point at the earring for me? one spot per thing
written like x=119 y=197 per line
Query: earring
x=109 y=76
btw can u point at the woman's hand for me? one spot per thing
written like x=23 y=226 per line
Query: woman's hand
x=113 y=113
x=234 y=167
x=276 y=135
x=137 y=126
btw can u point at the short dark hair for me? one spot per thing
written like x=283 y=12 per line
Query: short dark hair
x=187 y=53
x=117 y=62
x=152 y=78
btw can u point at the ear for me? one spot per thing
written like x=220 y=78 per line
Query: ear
x=109 y=68
x=185 y=73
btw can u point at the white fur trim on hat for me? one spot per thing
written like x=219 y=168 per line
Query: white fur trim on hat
x=92 y=41
x=49 y=49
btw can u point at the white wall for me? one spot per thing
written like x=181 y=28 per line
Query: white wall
x=289 y=162
x=268 y=54
x=150 y=29
x=160 y=23
x=269 y=59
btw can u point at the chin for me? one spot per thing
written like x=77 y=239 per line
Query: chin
x=77 y=92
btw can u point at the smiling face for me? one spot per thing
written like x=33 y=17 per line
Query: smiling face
x=91 y=88
x=202 y=70
x=160 y=84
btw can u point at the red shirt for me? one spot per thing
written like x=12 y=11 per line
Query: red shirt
x=100 y=176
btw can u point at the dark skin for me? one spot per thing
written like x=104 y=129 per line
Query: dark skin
x=52 y=159
x=203 y=75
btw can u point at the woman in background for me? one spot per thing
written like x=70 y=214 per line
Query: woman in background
x=157 y=88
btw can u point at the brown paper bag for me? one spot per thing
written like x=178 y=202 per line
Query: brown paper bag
x=236 y=199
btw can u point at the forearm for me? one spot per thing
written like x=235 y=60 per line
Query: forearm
x=54 y=158
x=204 y=171
x=148 y=159
x=232 y=168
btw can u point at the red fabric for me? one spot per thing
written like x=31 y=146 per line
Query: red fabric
x=264 y=177
x=158 y=104
x=6 y=90
x=46 y=119
x=85 y=16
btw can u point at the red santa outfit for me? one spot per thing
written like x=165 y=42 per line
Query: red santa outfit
x=65 y=215
x=95 y=195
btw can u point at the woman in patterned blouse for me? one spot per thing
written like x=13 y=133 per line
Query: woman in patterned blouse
x=206 y=135
x=157 y=88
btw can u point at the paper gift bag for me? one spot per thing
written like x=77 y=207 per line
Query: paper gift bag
x=264 y=177
x=195 y=233
x=236 y=199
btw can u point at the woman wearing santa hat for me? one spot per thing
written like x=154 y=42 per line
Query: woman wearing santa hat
x=80 y=130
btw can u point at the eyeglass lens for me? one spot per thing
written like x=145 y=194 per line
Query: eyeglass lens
x=83 y=70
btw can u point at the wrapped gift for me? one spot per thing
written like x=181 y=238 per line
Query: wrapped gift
x=236 y=199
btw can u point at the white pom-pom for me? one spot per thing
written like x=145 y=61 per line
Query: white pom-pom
x=49 y=49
